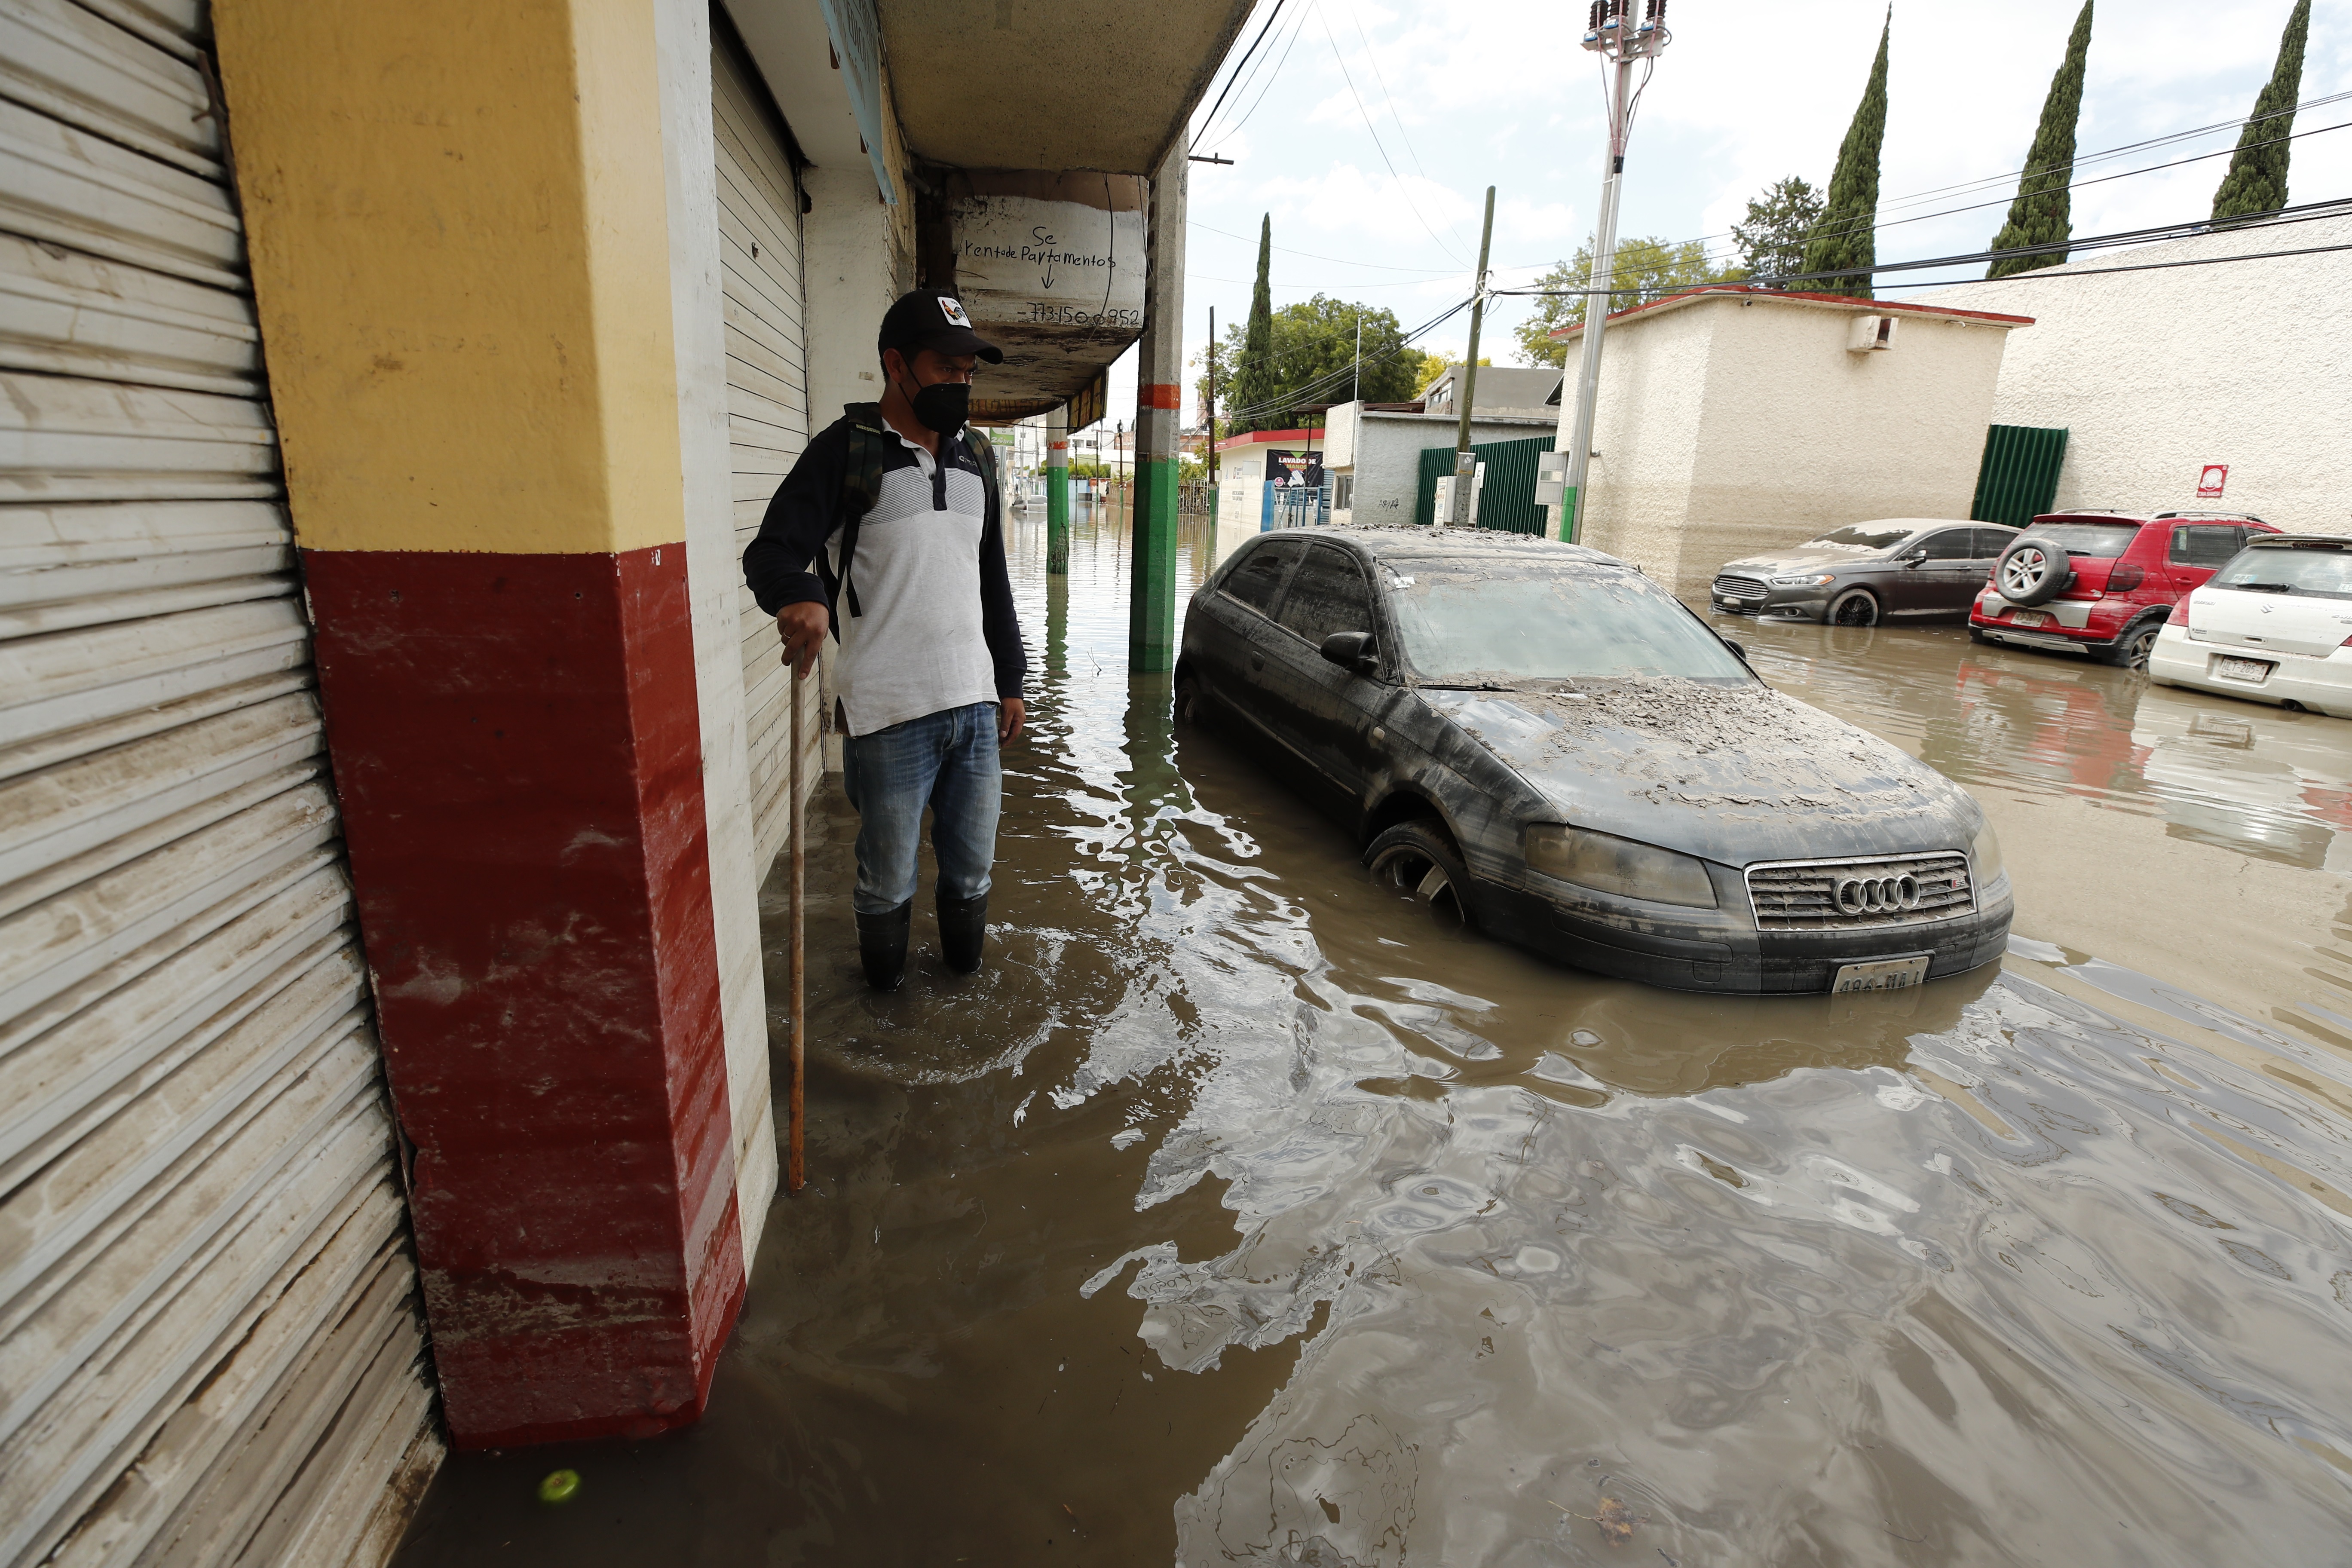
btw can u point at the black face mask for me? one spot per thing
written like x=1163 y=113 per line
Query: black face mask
x=943 y=405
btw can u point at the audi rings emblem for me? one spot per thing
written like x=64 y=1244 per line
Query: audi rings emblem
x=1877 y=895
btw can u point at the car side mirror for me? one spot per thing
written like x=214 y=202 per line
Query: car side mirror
x=1738 y=648
x=1918 y=560
x=1356 y=652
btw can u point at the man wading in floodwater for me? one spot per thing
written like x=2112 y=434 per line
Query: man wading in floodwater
x=891 y=532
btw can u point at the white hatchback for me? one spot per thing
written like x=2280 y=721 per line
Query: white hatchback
x=2274 y=626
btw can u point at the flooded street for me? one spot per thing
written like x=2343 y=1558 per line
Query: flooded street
x=1235 y=1213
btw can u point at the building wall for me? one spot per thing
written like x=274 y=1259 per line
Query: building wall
x=1734 y=425
x=1383 y=450
x=2155 y=374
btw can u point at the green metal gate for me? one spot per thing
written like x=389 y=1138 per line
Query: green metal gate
x=1507 y=499
x=2019 y=478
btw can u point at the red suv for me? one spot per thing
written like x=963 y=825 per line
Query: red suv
x=2102 y=583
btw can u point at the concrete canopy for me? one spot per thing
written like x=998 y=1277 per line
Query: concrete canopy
x=1029 y=84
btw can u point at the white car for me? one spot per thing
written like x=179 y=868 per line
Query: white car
x=2274 y=626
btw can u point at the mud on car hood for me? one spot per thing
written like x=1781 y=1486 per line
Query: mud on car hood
x=1734 y=775
x=1805 y=561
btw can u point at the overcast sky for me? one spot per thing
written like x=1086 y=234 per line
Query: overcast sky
x=1372 y=134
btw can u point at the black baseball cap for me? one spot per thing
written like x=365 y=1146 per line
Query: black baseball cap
x=927 y=319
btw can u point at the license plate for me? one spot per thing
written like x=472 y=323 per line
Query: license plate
x=1881 y=974
x=2030 y=618
x=2244 y=668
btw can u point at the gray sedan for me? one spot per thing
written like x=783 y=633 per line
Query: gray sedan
x=1893 y=569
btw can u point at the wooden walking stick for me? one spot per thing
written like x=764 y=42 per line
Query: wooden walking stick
x=793 y=962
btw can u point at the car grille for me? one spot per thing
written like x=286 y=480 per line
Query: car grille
x=1747 y=590
x=1853 y=895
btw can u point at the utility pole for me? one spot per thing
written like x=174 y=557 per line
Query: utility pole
x=1465 y=465
x=1356 y=392
x=1612 y=34
x=1209 y=417
x=1158 y=405
x=1057 y=491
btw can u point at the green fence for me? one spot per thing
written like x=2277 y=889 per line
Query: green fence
x=2019 y=477
x=1506 y=501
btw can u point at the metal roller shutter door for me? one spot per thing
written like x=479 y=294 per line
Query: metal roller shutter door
x=211 y=1349
x=767 y=405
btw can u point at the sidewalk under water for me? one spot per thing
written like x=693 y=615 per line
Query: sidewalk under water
x=1234 y=1213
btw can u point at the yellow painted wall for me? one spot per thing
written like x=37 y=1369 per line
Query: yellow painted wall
x=461 y=257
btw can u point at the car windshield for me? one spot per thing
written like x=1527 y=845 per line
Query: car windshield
x=1862 y=536
x=2099 y=541
x=2319 y=572
x=1521 y=618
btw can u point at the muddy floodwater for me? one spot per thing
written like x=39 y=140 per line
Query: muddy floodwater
x=1234 y=1213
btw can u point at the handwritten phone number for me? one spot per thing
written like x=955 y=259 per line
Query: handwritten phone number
x=1043 y=311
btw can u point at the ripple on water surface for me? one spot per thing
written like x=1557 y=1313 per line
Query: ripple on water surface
x=1235 y=1214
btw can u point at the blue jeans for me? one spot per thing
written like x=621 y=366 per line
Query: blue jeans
x=946 y=760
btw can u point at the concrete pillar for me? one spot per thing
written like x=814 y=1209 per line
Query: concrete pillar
x=1158 y=404
x=1057 y=491
x=493 y=389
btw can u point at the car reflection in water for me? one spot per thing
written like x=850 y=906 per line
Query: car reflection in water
x=1534 y=738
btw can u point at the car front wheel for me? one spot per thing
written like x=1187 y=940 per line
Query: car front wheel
x=1854 y=607
x=1416 y=857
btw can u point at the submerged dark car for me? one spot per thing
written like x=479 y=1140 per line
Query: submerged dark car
x=1534 y=738
x=1894 y=569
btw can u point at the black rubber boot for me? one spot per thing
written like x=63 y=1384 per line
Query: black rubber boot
x=963 y=930
x=882 y=944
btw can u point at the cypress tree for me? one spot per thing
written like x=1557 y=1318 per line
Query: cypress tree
x=1845 y=237
x=2043 y=213
x=1253 y=371
x=2256 y=181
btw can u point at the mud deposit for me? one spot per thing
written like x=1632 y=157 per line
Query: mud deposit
x=1234 y=1214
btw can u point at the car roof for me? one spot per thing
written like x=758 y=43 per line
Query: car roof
x=1404 y=541
x=2140 y=519
x=2290 y=541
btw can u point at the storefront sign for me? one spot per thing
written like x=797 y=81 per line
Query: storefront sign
x=2209 y=482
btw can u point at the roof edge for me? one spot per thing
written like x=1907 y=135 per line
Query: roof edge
x=1843 y=302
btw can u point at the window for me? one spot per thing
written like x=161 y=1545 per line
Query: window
x=1343 y=491
x=1947 y=544
x=1258 y=576
x=1548 y=620
x=1327 y=596
x=1991 y=542
x=2315 y=571
x=2206 y=543
x=2099 y=541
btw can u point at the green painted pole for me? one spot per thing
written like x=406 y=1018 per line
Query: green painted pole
x=1057 y=493
x=1159 y=400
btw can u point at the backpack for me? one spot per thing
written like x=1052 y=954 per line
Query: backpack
x=870 y=442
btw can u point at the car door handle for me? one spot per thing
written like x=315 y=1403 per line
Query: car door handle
x=1257 y=662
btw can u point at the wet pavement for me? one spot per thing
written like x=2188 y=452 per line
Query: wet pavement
x=1234 y=1213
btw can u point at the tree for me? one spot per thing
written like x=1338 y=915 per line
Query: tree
x=1310 y=358
x=1771 y=243
x=1844 y=237
x=2043 y=213
x=2256 y=181
x=1253 y=364
x=1650 y=269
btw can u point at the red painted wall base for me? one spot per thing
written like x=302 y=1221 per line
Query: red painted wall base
x=516 y=745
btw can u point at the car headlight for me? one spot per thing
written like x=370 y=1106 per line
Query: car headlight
x=1809 y=580
x=1985 y=853
x=1608 y=864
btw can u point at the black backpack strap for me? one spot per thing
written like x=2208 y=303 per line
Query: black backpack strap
x=983 y=453
x=861 y=488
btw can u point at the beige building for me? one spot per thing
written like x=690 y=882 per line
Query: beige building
x=2168 y=361
x=1731 y=421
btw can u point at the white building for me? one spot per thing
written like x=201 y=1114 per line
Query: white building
x=2163 y=373
x=1373 y=453
x=1731 y=420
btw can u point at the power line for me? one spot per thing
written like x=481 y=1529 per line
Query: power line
x=2101 y=180
x=1440 y=271
x=1236 y=74
x=1306 y=393
x=1372 y=59
x=1298 y=25
x=1349 y=77
x=2310 y=211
